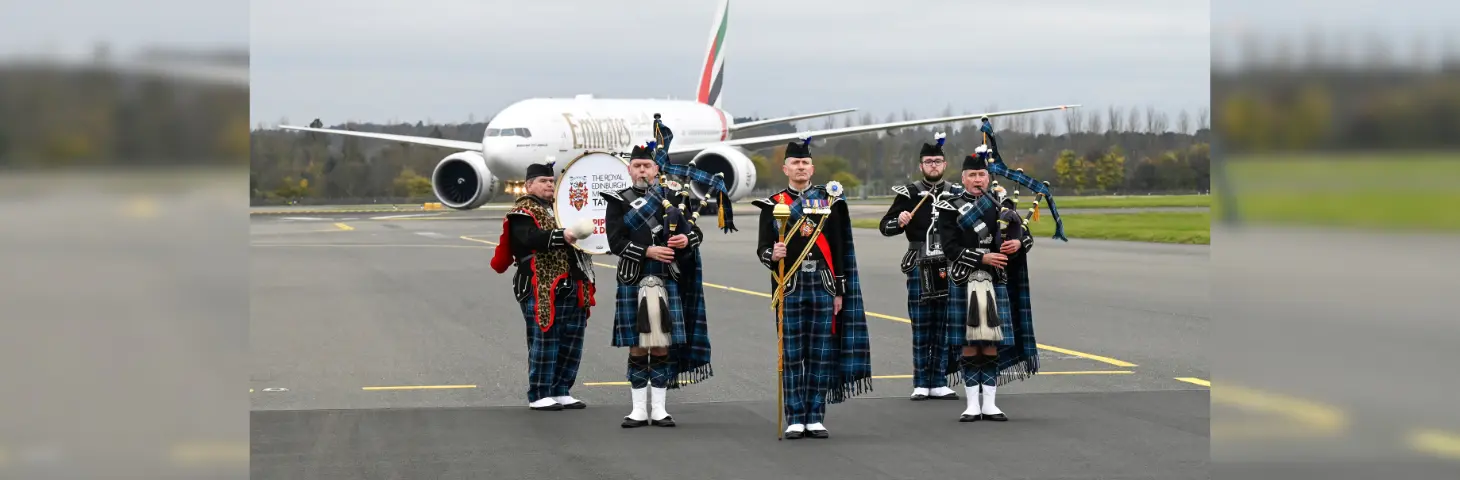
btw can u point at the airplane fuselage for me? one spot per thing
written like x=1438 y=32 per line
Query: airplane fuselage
x=559 y=129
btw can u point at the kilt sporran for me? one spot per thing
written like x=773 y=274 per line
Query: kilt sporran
x=654 y=315
x=983 y=322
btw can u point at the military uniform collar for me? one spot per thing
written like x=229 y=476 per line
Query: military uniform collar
x=797 y=193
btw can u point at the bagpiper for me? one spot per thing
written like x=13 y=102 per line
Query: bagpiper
x=998 y=343
x=805 y=239
x=659 y=312
x=926 y=266
x=554 y=286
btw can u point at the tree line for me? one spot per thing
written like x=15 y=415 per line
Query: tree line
x=53 y=117
x=1091 y=151
x=1264 y=109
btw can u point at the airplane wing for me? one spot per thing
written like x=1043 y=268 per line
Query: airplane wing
x=761 y=123
x=770 y=140
x=435 y=142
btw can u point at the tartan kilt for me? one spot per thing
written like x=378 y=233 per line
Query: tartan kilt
x=626 y=314
x=1021 y=360
x=916 y=310
x=958 y=312
x=935 y=311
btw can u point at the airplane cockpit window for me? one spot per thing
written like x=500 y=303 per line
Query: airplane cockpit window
x=509 y=132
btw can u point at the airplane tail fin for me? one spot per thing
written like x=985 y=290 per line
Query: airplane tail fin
x=712 y=74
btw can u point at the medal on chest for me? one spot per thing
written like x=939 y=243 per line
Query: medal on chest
x=806 y=228
x=817 y=206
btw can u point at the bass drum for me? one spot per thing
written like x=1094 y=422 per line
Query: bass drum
x=577 y=198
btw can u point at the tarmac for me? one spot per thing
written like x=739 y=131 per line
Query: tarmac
x=384 y=346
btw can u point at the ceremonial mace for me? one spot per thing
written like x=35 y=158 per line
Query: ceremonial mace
x=782 y=213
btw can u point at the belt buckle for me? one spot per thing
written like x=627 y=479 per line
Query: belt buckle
x=808 y=266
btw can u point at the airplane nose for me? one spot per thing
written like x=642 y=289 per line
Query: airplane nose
x=494 y=151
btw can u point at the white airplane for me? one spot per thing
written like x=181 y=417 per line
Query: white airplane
x=540 y=130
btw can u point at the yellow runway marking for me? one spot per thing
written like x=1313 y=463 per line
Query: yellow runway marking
x=888 y=317
x=1088 y=356
x=344 y=227
x=1090 y=372
x=1195 y=381
x=142 y=207
x=420 y=387
x=469 y=239
x=894 y=377
x=1317 y=417
x=1435 y=442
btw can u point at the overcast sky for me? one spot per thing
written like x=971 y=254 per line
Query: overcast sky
x=445 y=60
x=73 y=27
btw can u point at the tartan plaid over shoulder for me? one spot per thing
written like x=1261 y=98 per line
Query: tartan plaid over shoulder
x=692 y=358
x=1020 y=360
x=854 y=344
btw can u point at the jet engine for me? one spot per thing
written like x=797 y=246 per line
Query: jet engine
x=462 y=181
x=734 y=162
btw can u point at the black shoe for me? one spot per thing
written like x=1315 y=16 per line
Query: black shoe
x=578 y=405
x=550 y=408
x=794 y=435
x=919 y=398
x=969 y=418
x=631 y=423
x=666 y=422
x=951 y=396
x=818 y=433
x=997 y=417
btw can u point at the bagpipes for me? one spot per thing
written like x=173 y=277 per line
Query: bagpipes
x=1033 y=215
x=717 y=197
x=1041 y=189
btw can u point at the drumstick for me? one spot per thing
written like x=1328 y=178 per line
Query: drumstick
x=926 y=196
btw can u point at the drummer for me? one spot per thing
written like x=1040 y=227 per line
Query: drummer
x=556 y=310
